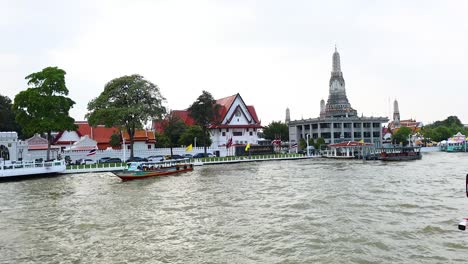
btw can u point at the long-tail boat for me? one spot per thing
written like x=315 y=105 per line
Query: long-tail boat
x=143 y=170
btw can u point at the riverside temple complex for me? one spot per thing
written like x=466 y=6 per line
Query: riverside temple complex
x=338 y=121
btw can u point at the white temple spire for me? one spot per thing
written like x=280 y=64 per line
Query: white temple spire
x=336 y=62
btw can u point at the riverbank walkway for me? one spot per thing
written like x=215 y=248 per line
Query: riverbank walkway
x=103 y=167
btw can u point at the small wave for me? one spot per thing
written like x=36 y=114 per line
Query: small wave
x=456 y=245
x=433 y=230
x=406 y=205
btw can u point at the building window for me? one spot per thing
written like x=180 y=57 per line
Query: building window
x=224 y=134
x=324 y=125
x=237 y=134
x=366 y=124
x=347 y=134
x=149 y=146
x=326 y=135
x=251 y=133
x=336 y=134
x=128 y=146
x=227 y=129
x=238 y=113
x=376 y=125
x=314 y=126
x=357 y=125
x=366 y=134
x=347 y=125
x=336 y=125
x=357 y=135
x=314 y=135
x=376 y=134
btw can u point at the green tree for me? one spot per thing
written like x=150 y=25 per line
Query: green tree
x=205 y=112
x=276 y=130
x=127 y=102
x=320 y=142
x=44 y=107
x=442 y=130
x=114 y=140
x=161 y=140
x=174 y=127
x=302 y=144
x=7 y=117
x=192 y=132
x=402 y=135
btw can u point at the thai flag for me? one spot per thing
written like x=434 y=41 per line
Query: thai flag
x=91 y=152
x=229 y=143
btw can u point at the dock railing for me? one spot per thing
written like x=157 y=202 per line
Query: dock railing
x=109 y=167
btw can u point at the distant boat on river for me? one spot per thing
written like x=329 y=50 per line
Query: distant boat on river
x=15 y=169
x=397 y=153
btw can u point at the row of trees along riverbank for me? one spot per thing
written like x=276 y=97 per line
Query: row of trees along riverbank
x=127 y=102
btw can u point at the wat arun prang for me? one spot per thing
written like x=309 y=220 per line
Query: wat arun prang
x=338 y=121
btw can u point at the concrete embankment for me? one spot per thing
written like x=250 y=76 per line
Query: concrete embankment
x=196 y=162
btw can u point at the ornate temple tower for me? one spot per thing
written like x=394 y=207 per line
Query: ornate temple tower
x=288 y=116
x=337 y=104
x=396 y=114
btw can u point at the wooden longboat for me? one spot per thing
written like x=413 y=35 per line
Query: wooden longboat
x=143 y=170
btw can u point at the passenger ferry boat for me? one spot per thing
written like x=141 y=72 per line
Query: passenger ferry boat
x=457 y=143
x=397 y=153
x=143 y=170
x=14 y=169
x=346 y=150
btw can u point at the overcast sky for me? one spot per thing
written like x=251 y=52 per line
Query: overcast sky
x=276 y=54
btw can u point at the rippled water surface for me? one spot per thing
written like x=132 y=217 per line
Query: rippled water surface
x=304 y=211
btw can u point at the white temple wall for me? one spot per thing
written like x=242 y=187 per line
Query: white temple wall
x=75 y=155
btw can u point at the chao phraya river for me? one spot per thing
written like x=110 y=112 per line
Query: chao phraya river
x=303 y=211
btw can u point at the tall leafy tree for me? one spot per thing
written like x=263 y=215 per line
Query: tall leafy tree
x=127 y=102
x=320 y=142
x=174 y=127
x=161 y=140
x=7 y=117
x=205 y=112
x=114 y=140
x=44 y=107
x=402 y=135
x=276 y=130
x=192 y=132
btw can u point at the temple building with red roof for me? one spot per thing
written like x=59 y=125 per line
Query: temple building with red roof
x=143 y=139
x=396 y=123
x=237 y=122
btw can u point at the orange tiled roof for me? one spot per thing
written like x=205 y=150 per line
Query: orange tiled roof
x=141 y=135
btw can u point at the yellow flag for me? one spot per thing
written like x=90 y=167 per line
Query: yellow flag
x=247 y=147
x=361 y=141
x=189 y=148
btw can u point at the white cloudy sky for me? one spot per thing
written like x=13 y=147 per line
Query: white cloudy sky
x=276 y=54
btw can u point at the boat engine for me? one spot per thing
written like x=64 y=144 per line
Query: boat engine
x=462 y=225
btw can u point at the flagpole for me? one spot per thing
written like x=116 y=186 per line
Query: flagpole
x=123 y=136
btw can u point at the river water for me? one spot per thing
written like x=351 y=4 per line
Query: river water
x=302 y=211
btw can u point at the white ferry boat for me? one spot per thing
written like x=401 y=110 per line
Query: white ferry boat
x=13 y=169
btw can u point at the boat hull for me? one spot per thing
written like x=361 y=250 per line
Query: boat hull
x=401 y=158
x=138 y=175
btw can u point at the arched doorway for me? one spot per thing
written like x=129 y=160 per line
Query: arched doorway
x=4 y=153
